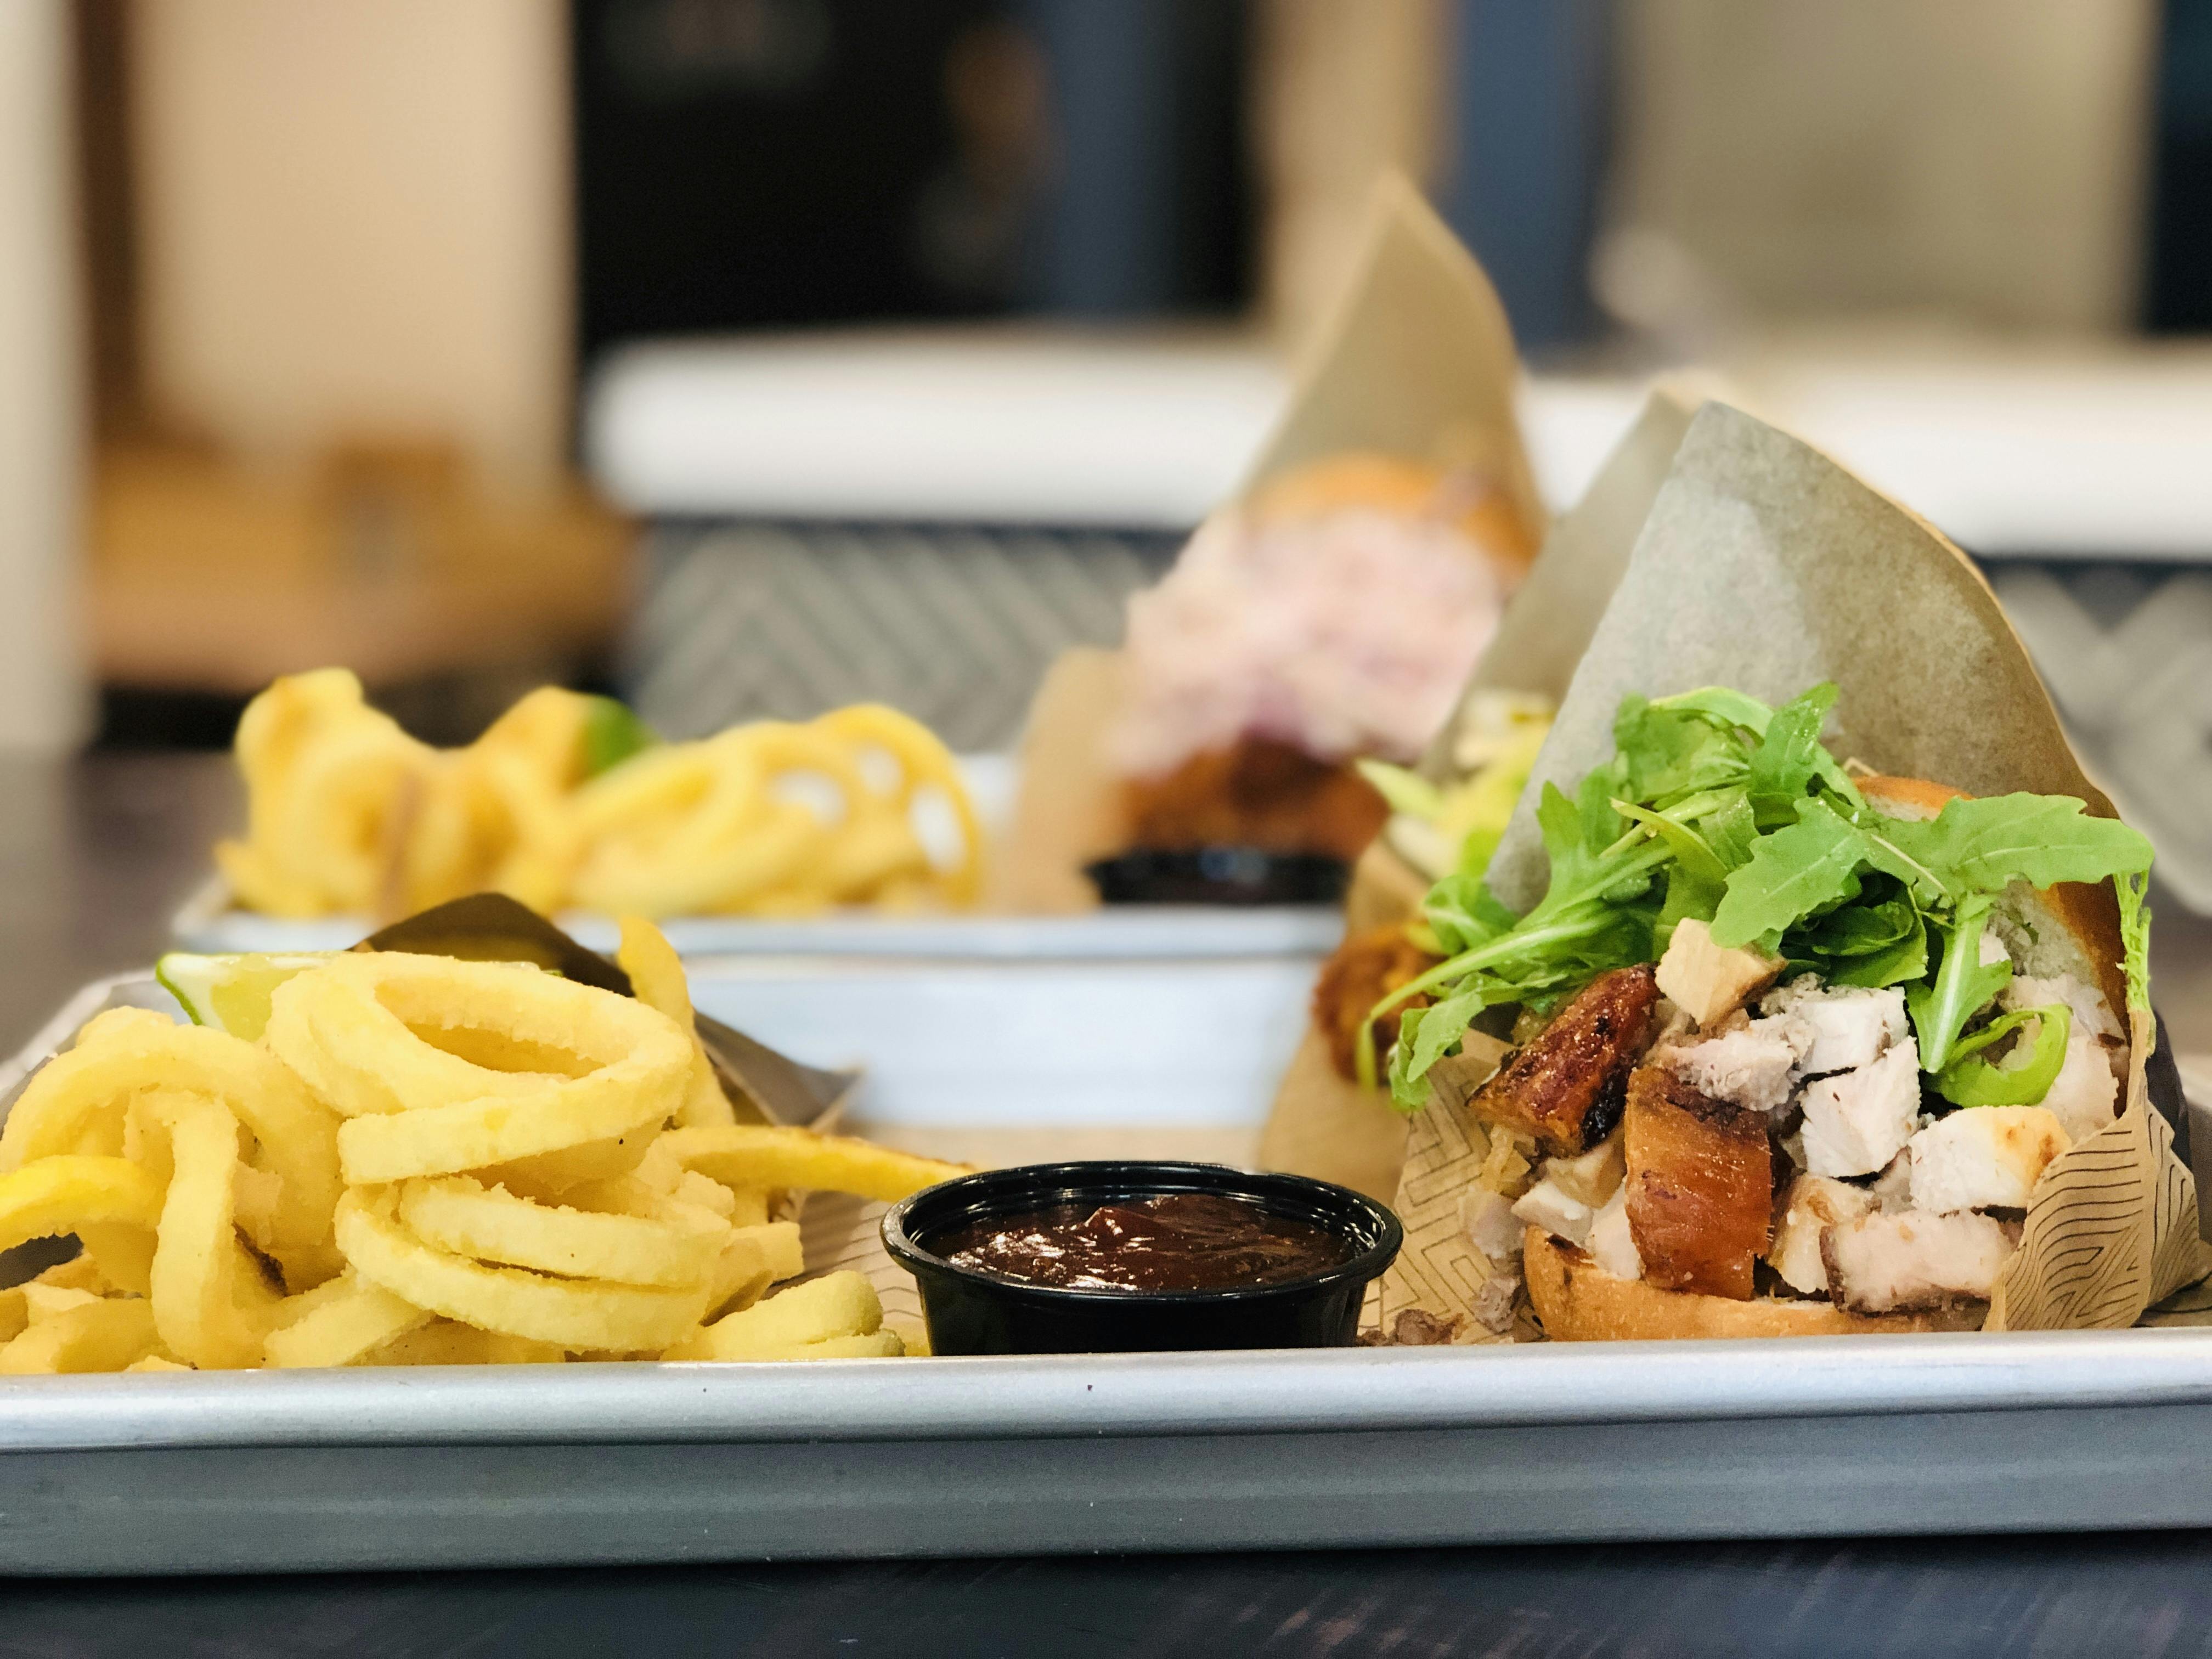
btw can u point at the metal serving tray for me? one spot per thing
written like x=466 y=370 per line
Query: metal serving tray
x=259 y=1472
x=556 y=1465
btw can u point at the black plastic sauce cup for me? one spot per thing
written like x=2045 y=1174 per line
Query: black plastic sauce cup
x=1218 y=875
x=972 y=1312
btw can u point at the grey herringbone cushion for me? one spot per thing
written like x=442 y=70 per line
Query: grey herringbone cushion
x=955 y=626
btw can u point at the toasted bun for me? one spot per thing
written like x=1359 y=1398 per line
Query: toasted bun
x=1578 y=1302
x=2072 y=928
x=1392 y=484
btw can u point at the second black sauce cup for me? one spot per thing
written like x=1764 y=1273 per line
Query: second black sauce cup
x=973 y=1312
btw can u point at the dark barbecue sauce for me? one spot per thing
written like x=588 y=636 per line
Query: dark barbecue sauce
x=1175 y=1242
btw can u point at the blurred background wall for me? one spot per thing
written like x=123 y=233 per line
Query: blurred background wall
x=1779 y=159
x=41 y=419
x=353 y=218
x=908 y=336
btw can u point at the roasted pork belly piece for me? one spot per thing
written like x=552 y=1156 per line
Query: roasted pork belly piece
x=1984 y=1157
x=1564 y=1085
x=2085 y=1095
x=1751 y=1065
x=1809 y=1207
x=1840 y=1028
x=1893 y=1187
x=1594 y=1176
x=1856 y=1121
x=1557 y=1212
x=1488 y=1220
x=1611 y=1244
x=1700 y=1185
x=1892 y=1262
x=1707 y=981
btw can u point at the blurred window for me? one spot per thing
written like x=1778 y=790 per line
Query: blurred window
x=762 y=163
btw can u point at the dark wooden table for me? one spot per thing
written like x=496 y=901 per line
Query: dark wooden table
x=98 y=853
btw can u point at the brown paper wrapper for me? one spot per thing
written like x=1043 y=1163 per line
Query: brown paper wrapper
x=1416 y=360
x=1321 y=1125
x=1764 y=566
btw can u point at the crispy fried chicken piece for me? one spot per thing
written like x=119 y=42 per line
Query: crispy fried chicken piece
x=1257 y=792
x=1363 y=971
x=1564 y=1085
x=1700 y=1185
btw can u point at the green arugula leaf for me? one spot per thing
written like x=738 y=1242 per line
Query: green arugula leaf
x=1874 y=923
x=1665 y=752
x=1982 y=846
x=1927 y=886
x=1425 y=1036
x=1900 y=963
x=1964 y=985
x=1686 y=844
x=1462 y=912
x=1720 y=703
x=1561 y=826
x=1731 y=829
x=1794 y=872
x=1782 y=768
x=1687 y=897
x=1968 y=1079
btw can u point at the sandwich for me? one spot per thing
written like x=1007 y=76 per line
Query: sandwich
x=1278 y=651
x=1786 y=1047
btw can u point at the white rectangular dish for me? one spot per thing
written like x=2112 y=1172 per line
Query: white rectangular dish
x=1048 y=1043
x=209 y=921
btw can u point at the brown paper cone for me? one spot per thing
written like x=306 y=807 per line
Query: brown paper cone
x=1321 y=1125
x=1548 y=623
x=1324 y=1126
x=1415 y=360
x=1069 y=810
x=1765 y=567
